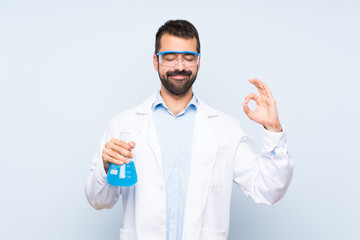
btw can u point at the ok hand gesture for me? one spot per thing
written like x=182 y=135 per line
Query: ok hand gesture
x=265 y=112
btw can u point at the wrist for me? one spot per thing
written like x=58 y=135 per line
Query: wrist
x=274 y=128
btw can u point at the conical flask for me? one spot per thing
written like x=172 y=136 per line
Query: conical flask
x=123 y=175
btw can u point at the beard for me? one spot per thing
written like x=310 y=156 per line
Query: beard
x=178 y=87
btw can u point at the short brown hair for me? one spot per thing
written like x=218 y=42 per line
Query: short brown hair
x=178 y=28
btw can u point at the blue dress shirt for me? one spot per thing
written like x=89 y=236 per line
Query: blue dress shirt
x=175 y=134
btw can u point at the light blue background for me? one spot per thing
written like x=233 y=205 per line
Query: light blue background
x=67 y=67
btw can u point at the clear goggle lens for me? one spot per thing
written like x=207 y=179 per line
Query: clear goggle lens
x=172 y=58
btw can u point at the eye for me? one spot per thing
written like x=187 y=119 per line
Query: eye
x=190 y=57
x=169 y=57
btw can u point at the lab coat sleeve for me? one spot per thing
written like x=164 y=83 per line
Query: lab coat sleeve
x=264 y=177
x=99 y=193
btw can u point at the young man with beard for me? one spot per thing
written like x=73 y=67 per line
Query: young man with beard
x=187 y=155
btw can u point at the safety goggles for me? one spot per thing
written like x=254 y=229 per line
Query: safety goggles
x=171 y=58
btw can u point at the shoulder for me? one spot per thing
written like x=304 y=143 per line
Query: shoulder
x=131 y=115
x=227 y=129
x=218 y=117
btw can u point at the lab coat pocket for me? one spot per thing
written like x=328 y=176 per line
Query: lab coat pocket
x=207 y=234
x=219 y=171
x=127 y=234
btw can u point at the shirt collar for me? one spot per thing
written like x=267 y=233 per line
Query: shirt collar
x=159 y=102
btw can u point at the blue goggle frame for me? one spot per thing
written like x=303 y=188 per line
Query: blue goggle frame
x=161 y=53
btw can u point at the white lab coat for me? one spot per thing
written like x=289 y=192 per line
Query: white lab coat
x=222 y=153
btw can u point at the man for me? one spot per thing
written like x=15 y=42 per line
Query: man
x=187 y=154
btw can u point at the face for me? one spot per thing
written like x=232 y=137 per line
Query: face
x=177 y=80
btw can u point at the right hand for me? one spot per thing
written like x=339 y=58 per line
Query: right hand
x=117 y=152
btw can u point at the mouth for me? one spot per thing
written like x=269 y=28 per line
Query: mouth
x=178 y=77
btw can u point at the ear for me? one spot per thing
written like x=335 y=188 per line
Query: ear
x=155 y=62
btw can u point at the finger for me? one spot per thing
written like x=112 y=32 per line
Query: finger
x=115 y=155
x=258 y=84
x=124 y=152
x=251 y=96
x=119 y=149
x=251 y=80
x=120 y=143
x=247 y=110
x=268 y=92
x=132 y=144
x=107 y=158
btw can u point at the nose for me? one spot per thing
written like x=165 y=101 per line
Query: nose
x=180 y=65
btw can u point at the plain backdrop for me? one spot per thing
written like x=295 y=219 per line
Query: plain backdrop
x=67 y=67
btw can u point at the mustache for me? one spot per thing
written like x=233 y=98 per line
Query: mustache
x=179 y=73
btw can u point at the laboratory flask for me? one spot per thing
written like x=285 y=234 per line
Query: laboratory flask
x=123 y=175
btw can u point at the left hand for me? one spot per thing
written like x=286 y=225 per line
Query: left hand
x=265 y=112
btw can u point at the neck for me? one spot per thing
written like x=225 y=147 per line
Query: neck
x=176 y=103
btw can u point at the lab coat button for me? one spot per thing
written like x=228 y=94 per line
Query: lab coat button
x=273 y=153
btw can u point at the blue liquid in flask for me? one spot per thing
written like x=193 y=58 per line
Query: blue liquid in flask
x=122 y=175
